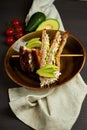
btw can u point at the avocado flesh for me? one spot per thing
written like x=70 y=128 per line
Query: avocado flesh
x=34 y=42
x=47 y=71
x=49 y=24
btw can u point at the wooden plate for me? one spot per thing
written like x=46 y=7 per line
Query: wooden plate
x=70 y=65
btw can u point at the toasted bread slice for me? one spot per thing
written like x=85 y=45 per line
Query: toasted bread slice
x=29 y=59
x=44 y=47
x=60 y=50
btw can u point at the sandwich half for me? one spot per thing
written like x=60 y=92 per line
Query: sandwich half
x=50 y=57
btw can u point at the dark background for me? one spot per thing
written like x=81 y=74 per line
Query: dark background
x=74 y=17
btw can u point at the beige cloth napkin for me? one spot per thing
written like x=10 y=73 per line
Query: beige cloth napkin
x=55 y=109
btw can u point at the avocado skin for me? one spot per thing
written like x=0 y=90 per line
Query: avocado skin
x=34 y=21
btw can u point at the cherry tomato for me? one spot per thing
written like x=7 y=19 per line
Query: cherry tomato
x=9 y=32
x=19 y=29
x=18 y=35
x=10 y=40
x=16 y=22
x=14 y=32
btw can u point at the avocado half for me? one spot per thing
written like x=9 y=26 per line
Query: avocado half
x=49 y=24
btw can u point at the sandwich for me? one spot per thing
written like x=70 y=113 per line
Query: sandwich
x=44 y=60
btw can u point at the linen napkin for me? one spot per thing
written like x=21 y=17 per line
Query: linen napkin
x=54 y=109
